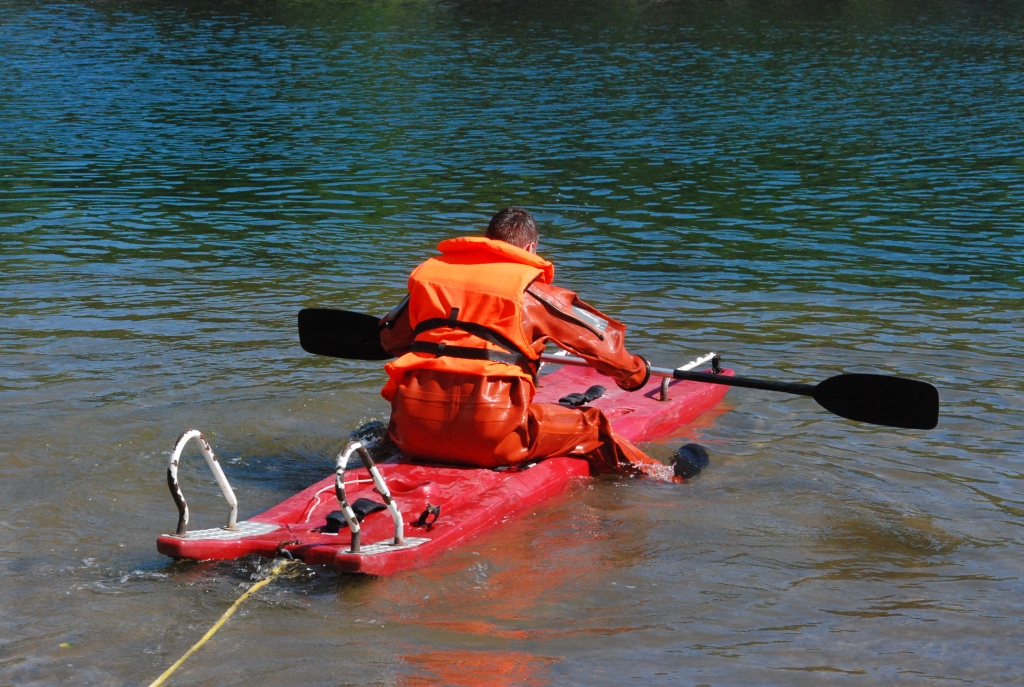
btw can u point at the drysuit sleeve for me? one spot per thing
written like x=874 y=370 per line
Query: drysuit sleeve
x=556 y=315
x=396 y=333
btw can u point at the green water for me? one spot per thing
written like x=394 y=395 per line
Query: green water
x=807 y=188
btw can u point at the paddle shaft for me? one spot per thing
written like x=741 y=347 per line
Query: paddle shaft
x=875 y=399
x=745 y=382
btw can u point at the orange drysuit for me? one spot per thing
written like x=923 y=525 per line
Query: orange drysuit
x=469 y=337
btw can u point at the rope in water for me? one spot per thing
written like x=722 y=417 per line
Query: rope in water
x=278 y=567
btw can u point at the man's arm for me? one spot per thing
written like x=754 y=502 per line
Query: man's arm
x=550 y=314
x=396 y=333
x=557 y=315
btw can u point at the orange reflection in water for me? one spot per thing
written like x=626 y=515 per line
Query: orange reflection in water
x=519 y=585
x=692 y=431
x=520 y=582
x=530 y=565
x=476 y=669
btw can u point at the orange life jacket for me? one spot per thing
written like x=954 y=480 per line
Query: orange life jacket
x=465 y=307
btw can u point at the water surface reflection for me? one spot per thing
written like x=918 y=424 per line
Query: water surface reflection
x=806 y=188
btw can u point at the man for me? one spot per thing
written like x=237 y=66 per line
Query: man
x=469 y=336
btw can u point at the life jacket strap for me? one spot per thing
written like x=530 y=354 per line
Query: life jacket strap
x=443 y=349
x=477 y=330
x=513 y=357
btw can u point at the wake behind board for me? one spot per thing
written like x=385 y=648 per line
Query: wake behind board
x=436 y=508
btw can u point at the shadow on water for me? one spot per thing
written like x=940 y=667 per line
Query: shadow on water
x=877 y=542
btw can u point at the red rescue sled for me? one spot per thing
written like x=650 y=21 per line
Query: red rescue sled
x=431 y=508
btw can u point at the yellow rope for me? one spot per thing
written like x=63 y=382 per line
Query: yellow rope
x=278 y=567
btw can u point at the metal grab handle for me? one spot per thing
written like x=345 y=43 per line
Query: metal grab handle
x=378 y=481
x=218 y=474
x=339 y=490
x=563 y=358
x=688 y=366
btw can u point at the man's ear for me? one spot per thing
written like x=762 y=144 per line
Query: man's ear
x=531 y=247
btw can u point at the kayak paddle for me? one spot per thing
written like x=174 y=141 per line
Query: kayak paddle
x=875 y=399
x=341 y=334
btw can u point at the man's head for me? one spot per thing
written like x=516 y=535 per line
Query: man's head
x=516 y=226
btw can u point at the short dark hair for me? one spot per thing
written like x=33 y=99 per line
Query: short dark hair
x=513 y=225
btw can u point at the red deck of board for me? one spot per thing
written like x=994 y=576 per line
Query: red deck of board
x=472 y=500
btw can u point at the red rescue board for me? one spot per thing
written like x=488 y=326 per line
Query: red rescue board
x=471 y=500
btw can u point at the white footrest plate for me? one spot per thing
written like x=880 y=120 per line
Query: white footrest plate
x=386 y=546
x=245 y=529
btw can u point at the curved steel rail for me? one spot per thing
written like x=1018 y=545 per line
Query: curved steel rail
x=218 y=474
x=378 y=481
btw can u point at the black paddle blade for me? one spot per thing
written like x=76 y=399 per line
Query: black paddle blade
x=340 y=334
x=881 y=400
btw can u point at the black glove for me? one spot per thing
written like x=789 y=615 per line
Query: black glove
x=690 y=460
